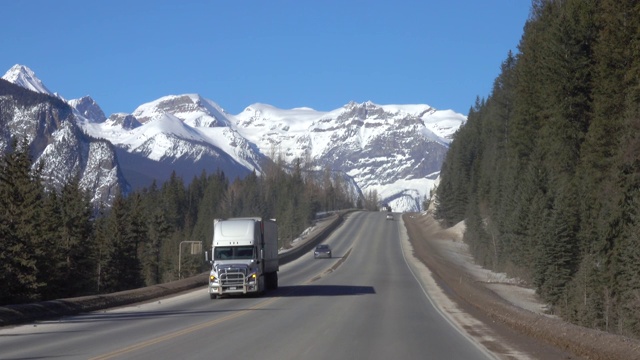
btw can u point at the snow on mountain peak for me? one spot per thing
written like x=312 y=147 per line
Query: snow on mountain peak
x=26 y=78
x=88 y=108
x=395 y=150
x=193 y=109
x=392 y=149
x=85 y=108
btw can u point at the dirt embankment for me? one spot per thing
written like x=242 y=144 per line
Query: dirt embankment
x=509 y=310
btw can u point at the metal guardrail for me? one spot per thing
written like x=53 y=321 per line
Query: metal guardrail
x=312 y=242
x=19 y=314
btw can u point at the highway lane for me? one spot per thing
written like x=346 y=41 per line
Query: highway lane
x=364 y=303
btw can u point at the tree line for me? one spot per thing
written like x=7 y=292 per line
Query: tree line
x=56 y=244
x=546 y=170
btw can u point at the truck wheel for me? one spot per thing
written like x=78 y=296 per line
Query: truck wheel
x=261 y=285
x=269 y=281
x=272 y=281
x=213 y=296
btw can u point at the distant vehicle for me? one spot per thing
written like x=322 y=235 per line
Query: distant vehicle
x=322 y=250
x=389 y=216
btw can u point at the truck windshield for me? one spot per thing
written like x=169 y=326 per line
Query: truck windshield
x=233 y=252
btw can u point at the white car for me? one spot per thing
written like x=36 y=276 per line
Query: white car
x=389 y=216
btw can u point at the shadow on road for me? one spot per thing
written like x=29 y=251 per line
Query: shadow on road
x=321 y=290
x=134 y=315
x=282 y=291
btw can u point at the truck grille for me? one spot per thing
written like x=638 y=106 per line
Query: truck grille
x=232 y=276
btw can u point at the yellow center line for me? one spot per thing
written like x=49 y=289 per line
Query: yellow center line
x=207 y=324
x=182 y=332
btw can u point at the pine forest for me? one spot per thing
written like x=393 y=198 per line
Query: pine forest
x=57 y=245
x=546 y=171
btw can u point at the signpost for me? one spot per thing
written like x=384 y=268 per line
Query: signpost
x=196 y=248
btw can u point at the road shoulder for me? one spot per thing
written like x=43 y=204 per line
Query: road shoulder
x=514 y=322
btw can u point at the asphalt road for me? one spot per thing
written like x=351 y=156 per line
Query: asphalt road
x=364 y=303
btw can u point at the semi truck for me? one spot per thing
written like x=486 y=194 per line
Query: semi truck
x=244 y=256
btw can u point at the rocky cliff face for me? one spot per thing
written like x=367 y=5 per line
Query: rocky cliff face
x=88 y=108
x=56 y=141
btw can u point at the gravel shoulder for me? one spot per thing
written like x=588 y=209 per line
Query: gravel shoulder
x=499 y=313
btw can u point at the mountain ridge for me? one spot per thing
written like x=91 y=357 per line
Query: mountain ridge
x=394 y=150
x=57 y=142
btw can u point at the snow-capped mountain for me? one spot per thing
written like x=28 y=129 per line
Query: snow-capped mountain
x=192 y=109
x=88 y=108
x=185 y=133
x=26 y=78
x=84 y=108
x=198 y=120
x=48 y=125
x=394 y=150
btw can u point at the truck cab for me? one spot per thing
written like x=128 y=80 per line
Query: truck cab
x=244 y=257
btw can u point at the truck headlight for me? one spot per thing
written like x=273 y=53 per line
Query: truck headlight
x=212 y=278
x=251 y=278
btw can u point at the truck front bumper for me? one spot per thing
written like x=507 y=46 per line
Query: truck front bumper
x=218 y=289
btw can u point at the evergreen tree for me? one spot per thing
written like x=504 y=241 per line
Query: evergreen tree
x=209 y=208
x=67 y=260
x=558 y=250
x=77 y=241
x=625 y=250
x=51 y=261
x=545 y=171
x=174 y=201
x=137 y=224
x=123 y=269
x=159 y=232
x=21 y=194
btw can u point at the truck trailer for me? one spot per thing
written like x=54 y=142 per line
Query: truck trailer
x=244 y=256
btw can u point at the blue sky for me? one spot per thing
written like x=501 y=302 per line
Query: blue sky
x=298 y=53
